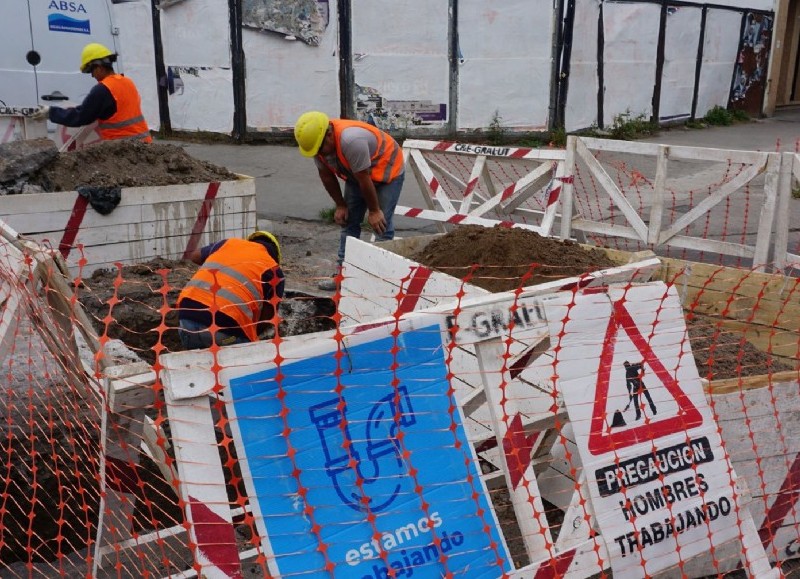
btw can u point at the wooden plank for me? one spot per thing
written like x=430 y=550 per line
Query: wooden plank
x=478 y=170
x=432 y=188
x=130 y=196
x=628 y=147
x=767 y=213
x=523 y=186
x=473 y=150
x=789 y=171
x=611 y=189
x=525 y=498
x=568 y=191
x=716 y=197
x=657 y=209
x=767 y=299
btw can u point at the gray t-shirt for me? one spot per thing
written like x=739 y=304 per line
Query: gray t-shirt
x=358 y=146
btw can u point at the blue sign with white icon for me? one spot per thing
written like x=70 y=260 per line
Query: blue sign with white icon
x=368 y=472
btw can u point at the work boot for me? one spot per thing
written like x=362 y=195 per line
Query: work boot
x=328 y=284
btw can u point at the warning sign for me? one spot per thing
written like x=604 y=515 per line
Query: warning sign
x=659 y=481
x=608 y=437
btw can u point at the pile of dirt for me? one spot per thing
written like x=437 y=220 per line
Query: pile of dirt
x=123 y=163
x=501 y=259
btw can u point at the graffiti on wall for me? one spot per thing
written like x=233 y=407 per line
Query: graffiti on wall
x=304 y=20
x=750 y=73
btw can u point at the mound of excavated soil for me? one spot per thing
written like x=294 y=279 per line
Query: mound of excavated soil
x=501 y=259
x=126 y=164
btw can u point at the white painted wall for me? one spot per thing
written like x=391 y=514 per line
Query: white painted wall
x=287 y=77
x=680 y=61
x=719 y=55
x=401 y=52
x=504 y=65
x=400 y=58
x=629 y=59
x=196 y=37
x=581 y=109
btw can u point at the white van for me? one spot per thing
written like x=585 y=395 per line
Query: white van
x=40 y=52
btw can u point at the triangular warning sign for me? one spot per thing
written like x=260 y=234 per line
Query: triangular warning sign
x=600 y=439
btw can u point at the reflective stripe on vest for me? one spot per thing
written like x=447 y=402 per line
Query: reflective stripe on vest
x=386 y=163
x=231 y=283
x=128 y=122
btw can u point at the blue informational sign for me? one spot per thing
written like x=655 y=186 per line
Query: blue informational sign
x=375 y=474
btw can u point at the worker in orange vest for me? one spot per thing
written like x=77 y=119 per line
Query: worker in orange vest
x=237 y=289
x=113 y=102
x=368 y=160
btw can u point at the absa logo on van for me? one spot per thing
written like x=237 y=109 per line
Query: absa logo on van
x=62 y=23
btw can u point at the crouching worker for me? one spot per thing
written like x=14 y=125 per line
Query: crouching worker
x=237 y=288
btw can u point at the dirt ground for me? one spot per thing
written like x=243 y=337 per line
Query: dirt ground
x=501 y=259
x=719 y=353
x=126 y=164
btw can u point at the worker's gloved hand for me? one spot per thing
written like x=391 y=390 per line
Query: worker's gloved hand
x=41 y=112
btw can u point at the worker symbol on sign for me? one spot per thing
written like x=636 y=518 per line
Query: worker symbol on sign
x=637 y=390
x=636 y=387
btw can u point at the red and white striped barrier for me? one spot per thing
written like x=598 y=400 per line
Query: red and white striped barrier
x=463 y=183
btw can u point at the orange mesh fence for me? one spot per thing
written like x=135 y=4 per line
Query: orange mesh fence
x=469 y=418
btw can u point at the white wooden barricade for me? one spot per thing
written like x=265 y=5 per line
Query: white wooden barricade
x=789 y=176
x=480 y=185
x=148 y=222
x=194 y=380
x=531 y=188
x=653 y=230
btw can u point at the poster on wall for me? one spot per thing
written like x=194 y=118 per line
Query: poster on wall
x=304 y=20
x=391 y=114
x=750 y=73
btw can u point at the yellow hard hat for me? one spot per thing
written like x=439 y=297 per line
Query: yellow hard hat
x=94 y=51
x=268 y=236
x=309 y=132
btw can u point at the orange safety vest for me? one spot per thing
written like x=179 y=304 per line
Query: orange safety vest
x=230 y=282
x=387 y=162
x=128 y=122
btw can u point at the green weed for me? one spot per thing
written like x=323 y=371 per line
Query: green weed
x=627 y=127
x=719 y=117
x=496 y=132
x=326 y=215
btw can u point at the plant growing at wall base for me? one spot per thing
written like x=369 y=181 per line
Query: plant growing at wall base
x=627 y=127
x=495 y=132
x=719 y=117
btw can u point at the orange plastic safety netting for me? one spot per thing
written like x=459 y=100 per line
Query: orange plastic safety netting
x=461 y=419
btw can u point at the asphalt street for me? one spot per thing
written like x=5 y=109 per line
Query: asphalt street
x=287 y=185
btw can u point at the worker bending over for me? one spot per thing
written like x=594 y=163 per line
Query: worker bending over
x=368 y=160
x=237 y=288
x=113 y=102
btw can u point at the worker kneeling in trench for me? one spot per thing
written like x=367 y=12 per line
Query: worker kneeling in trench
x=235 y=292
